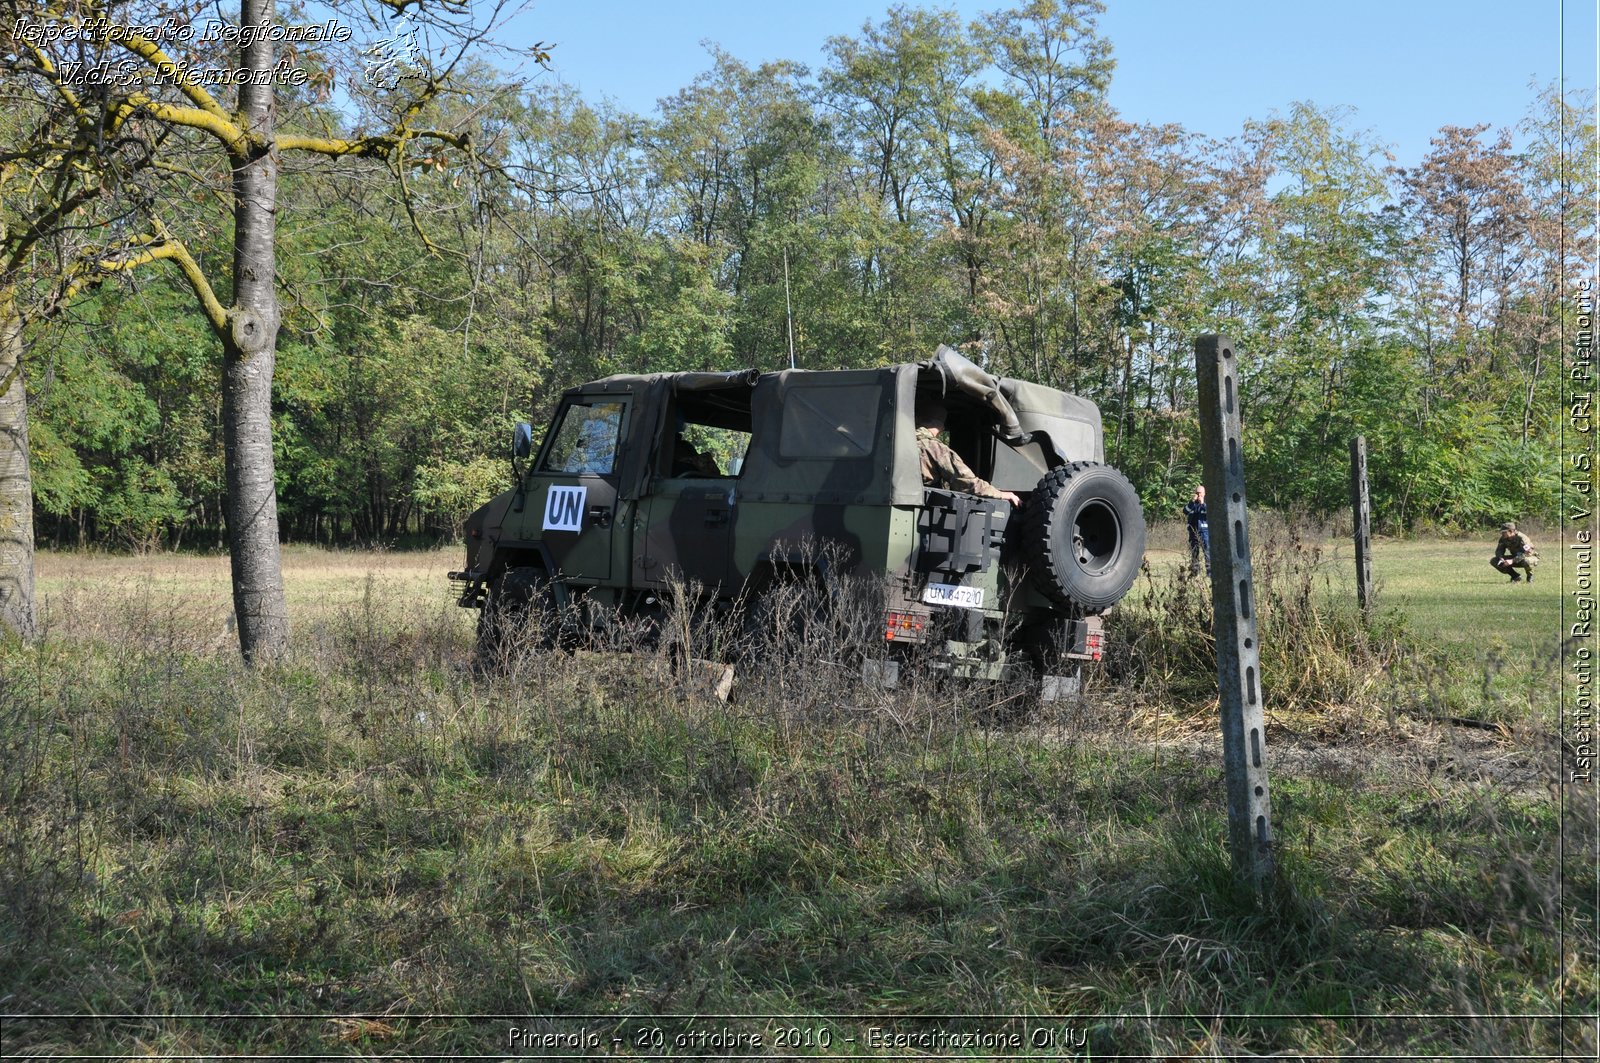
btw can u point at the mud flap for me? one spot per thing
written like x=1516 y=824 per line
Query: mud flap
x=885 y=675
x=1056 y=688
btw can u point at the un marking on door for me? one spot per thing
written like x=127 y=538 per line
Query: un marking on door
x=563 y=508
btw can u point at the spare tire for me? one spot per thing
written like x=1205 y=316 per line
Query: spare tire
x=1083 y=535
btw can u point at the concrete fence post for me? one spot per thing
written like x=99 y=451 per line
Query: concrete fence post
x=1244 y=732
x=1361 y=511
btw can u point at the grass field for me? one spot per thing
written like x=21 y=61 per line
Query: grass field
x=1446 y=591
x=355 y=852
x=191 y=592
x=1444 y=588
x=1475 y=644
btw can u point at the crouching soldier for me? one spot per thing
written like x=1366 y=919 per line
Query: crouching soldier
x=1513 y=551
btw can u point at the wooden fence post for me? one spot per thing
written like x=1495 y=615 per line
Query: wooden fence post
x=1244 y=739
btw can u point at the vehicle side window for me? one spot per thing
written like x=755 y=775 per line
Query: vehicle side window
x=707 y=450
x=830 y=422
x=586 y=439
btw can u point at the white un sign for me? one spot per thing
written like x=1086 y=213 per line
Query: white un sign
x=563 y=508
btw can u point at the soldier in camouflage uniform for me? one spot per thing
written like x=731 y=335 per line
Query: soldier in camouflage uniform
x=1513 y=551
x=689 y=460
x=943 y=467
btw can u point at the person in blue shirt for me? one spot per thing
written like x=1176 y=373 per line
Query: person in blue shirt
x=1199 y=531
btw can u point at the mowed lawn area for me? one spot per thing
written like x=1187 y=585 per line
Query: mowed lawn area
x=1446 y=589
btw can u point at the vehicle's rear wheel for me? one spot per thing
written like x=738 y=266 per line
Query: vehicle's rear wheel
x=1083 y=536
x=1043 y=645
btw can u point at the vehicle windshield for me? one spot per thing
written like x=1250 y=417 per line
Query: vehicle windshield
x=586 y=439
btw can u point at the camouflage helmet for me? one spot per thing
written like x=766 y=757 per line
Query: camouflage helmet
x=1509 y=526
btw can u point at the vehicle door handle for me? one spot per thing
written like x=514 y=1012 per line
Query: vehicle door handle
x=716 y=518
x=601 y=515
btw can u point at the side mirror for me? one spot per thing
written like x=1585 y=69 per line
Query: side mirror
x=522 y=440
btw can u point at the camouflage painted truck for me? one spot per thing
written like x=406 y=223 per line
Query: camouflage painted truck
x=740 y=483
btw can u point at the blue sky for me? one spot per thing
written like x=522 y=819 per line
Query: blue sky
x=1405 y=67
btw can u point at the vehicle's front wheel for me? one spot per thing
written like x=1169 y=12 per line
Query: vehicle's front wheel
x=1083 y=536
x=520 y=609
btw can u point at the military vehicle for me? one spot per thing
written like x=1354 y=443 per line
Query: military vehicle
x=740 y=483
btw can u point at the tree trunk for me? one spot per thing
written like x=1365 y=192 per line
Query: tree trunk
x=1533 y=387
x=250 y=352
x=16 y=484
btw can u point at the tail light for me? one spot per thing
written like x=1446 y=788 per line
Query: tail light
x=902 y=626
x=1096 y=642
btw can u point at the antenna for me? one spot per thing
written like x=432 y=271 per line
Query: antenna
x=788 y=307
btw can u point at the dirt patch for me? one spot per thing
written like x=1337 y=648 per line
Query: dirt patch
x=1440 y=755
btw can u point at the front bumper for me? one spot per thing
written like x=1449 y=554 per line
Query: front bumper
x=469 y=588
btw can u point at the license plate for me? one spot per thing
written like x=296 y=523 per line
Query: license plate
x=950 y=594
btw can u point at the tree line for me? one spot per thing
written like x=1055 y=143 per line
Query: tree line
x=931 y=181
